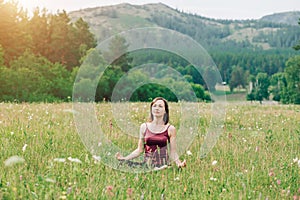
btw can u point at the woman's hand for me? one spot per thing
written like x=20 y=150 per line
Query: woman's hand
x=181 y=164
x=119 y=156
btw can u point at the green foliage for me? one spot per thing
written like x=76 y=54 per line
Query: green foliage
x=291 y=90
x=33 y=78
x=40 y=56
x=238 y=78
x=277 y=83
x=260 y=89
x=53 y=36
x=13 y=36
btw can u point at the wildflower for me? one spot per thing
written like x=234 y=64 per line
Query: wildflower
x=278 y=182
x=50 y=180
x=76 y=160
x=189 y=153
x=295 y=197
x=295 y=160
x=213 y=179
x=62 y=160
x=109 y=190
x=97 y=158
x=214 y=162
x=13 y=160
x=271 y=173
x=129 y=192
x=176 y=179
x=24 y=147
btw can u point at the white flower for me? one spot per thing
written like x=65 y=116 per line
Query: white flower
x=97 y=158
x=76 y=160
x=213 y=179
x=13 y=160
x=214 y=162
x=50 y=180
x=189 y=153
x=176 y=179
x=295 y=160
x=62 y=160
x=24 y=147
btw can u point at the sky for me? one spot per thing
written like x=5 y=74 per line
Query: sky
x=218 y=9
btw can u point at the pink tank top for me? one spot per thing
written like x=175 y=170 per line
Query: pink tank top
x=156 y=147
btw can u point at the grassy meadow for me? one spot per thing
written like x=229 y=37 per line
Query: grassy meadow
x=256 y=157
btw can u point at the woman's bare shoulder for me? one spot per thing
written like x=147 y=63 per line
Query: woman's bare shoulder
x=143 y=127
x=172 y=128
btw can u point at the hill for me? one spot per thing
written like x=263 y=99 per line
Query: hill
x=291 y=18
x=270 y=32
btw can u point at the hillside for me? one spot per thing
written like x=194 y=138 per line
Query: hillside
x=270 y=32
x=291 y=18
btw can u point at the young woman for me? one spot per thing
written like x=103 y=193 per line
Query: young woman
x=157 y=138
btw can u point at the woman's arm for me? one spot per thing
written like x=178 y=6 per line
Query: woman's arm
x=173 y=153
x=138 y=150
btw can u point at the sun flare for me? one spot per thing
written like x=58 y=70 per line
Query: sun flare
x=29 y=5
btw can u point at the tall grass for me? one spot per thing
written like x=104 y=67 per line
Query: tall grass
x=256 y=157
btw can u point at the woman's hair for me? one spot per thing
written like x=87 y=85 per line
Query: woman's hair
x=166 y=116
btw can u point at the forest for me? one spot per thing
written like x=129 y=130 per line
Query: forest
x=41 y=54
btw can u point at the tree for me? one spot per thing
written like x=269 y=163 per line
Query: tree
x=277 y=83
x=117 y=53
x=211 y=78
x=238 y=78
x=262 y=86
x=292 y=76
x=297 y=47
x=13 y=37
x=34 y=78
x=260 y=89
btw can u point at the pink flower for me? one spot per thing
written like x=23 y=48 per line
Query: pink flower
x=129 y=192
x=295 y=197
x=109 y=190
x=271 y=173
x=278 y=182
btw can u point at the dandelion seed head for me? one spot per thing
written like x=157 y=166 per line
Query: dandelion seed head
x=214 y=162
x=75 y=160
x=62 y=160
x=13 y=160
x=24 y=147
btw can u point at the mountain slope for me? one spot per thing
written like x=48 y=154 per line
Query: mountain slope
x=291 y=18
x=270 y=32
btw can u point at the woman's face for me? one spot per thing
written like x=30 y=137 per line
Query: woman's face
x=158 y=108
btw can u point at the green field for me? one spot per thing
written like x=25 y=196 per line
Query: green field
x=256 y=157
